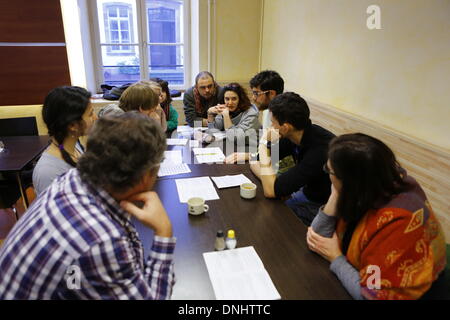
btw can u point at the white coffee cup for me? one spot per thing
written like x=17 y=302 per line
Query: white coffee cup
x=197 y=206
x=248 y=190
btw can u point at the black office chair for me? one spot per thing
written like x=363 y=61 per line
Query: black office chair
x=9 y=194
x=25 y=126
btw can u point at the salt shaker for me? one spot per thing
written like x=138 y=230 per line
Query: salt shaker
x=231 y=240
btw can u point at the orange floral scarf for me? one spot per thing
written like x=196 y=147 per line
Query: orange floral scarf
x=405 y=241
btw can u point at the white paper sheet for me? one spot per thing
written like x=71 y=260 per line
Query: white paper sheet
x=239 y=274
x=172 y=157
x=230 y=181
x=173 y=164
x=196 y=187
x=194 y=143
x=208 y=155
x=174 y=169
x=176 y=142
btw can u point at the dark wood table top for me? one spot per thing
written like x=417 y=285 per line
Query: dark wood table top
x=21 y=150
x=277 y=235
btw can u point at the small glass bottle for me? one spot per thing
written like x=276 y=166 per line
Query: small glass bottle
x=231 y=240
x=220 y=241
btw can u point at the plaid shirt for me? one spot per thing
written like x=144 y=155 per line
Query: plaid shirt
x=75 y=242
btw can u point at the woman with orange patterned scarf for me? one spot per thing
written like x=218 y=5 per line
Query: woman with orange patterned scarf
x=377 y=229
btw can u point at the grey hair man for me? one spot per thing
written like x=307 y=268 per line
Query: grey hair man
x=77 y=240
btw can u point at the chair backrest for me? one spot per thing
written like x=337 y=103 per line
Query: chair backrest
x=25 y=126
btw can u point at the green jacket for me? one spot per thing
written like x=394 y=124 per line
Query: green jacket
x=172 y=122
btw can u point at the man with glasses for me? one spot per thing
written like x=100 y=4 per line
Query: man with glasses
x=198 y=99
x=265 y=86
x=292 y=133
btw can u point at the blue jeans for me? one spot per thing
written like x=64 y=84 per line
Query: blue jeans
x=305 y=209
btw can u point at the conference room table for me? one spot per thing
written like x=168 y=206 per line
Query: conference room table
x=18 y=152
x=276 y=233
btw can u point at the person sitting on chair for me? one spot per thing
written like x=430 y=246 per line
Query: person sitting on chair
x=68 y=114
x=236 y=115
x=77 y=240
x=292 y=133
x=377 y=229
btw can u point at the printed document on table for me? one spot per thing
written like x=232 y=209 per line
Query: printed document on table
x=174 y=169
x=173 y=164
x=208 y=155
x=177 y=142
x=239 y=274
x=230 y=181
x=172 y=157
x=196 y=187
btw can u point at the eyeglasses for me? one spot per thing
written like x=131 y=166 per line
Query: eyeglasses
x=327 y=170
x=258 y=93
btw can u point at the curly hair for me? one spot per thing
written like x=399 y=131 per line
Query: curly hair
x=244 y=101
x=120 y=150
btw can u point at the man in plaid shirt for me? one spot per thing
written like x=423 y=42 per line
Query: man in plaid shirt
x=77 y=241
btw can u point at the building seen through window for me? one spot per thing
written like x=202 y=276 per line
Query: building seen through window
x=130 y=29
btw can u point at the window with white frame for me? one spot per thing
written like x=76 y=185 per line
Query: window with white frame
x=117 y=18
x=141 y=39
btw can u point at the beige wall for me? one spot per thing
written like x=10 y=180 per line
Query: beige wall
x=236 y=28
x=398 y=76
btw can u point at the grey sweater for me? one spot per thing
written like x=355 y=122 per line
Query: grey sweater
x=325 y=225
x=243 y=122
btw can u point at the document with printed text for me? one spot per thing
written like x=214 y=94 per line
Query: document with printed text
x=239 y=274
x=230 y=181
x=201 y=187
x=208 y=155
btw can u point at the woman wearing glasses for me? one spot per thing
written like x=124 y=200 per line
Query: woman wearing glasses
x=377 y=229
x=235 y=114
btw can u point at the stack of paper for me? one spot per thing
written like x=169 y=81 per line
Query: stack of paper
x=239 y=274
x=173 y=164
x=201 y=187
x=176 y=142
x=208 y=155
x=230 y=181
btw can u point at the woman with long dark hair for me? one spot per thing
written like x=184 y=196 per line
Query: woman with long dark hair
x=235 y=111
x=377 y=229
x=68 y=114
x=165 y=101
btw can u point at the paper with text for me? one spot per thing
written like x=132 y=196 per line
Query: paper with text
x=239 y=274
x=230 y=181
x=176 y=142
x=208 y=155
x=173 y=164
x=196 y=187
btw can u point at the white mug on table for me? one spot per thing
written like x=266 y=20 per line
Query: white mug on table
x=197 y=206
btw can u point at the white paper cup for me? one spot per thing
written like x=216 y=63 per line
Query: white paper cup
x=248 y=190
x=197 y=206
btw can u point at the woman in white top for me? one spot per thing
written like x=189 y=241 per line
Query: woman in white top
x=68 y=114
